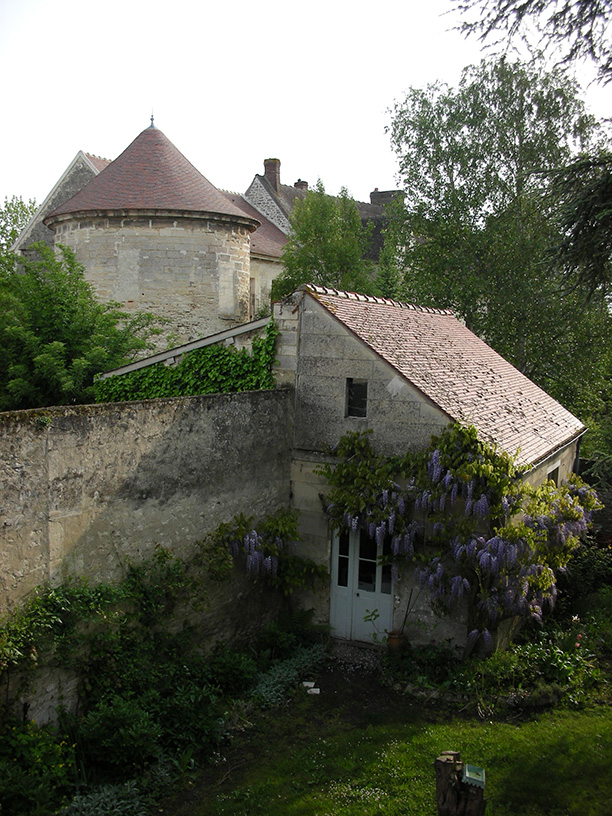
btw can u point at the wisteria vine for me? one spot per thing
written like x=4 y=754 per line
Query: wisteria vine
x=499 y=542
x=267 y=550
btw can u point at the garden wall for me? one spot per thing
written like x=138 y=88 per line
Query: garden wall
x=86 y=487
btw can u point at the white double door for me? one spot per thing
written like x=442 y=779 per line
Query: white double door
x=361 y=603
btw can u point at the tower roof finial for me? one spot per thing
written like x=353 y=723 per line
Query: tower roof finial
x=152 y=123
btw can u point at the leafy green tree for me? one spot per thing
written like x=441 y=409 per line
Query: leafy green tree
x=476 y=164
x=14 y=216
x=571 y=30
x=55 y=336
x=327 y=245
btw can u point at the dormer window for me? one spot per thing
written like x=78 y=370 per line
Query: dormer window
x=356 y=397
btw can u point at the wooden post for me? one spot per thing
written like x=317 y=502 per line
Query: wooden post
x=454 y=797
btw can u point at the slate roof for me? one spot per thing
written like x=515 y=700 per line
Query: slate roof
x=458 y=372
x=151 y=174
x=267 y=238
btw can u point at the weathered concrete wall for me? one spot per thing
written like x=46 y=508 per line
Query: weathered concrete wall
x=194 y=272
x=84 y=488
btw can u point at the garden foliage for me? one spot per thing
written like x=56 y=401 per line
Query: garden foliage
x=489 y=537
x=209 y=370
x=55 y=335
x=149 y=693
x=266 y=550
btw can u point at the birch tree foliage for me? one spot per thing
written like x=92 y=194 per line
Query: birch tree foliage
x=477 y=164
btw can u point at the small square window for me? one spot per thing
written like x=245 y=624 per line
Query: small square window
x=356 y=397
x=553 y=476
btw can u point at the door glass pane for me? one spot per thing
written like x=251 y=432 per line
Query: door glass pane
x=367 y=575
x=343 y=544
x=343 y=565
x=367 y=547
x=385 y=577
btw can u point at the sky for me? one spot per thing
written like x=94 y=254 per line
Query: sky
x=229 y=83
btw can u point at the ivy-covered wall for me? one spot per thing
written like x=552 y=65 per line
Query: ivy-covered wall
x=87 y=487
x=213 y=369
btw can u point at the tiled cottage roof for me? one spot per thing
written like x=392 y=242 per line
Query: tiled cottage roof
x=457 y=371
x=151 y=174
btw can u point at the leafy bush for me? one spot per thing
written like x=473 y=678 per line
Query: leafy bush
x=231 y=671
x=121 y=736
x=535 y=673
x=109 y=800
x=210 y=370
x=273 y=686
x=37 y=768
x=188 y=718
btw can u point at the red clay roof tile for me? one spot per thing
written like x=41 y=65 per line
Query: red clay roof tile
x=150 y=174
x=459 y=372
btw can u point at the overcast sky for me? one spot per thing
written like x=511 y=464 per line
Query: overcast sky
x=229 y=83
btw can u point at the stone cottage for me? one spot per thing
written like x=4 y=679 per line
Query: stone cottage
x=155 y=235
x=359 y=362
x=355 y=362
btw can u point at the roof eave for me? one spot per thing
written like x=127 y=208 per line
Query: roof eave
x=204 y=215
x=555 y=450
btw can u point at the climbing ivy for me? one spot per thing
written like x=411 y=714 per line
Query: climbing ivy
x=491 y=538
x=210 y=370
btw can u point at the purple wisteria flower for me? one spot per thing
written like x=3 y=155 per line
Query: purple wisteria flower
x=481 y=507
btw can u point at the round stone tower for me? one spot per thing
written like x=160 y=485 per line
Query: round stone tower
x=155 y=235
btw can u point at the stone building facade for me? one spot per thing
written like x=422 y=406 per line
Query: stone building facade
x=155 y=235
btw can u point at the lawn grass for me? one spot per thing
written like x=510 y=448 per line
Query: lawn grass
x=341 y=756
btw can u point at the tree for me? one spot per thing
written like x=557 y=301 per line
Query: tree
x=326 y=246
x=55 y=336
x=476 y=163
x=574 y=29
x=14 y=216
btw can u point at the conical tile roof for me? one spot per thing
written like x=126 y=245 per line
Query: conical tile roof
x=151 y=174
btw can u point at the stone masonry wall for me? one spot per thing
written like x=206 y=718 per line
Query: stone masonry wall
x=320 y=358
x=191 y=271
x=86 y=487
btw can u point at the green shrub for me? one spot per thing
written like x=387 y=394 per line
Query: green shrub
x=109 y=800
x=273 y=686
x=231 y=671
x=119 y=735
x=589 y=570
x=188 y=719
x=533 y=673
x=37 y=768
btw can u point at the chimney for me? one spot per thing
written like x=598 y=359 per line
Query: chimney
x=301 y=185
x=384 y=196
x=272 y=173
